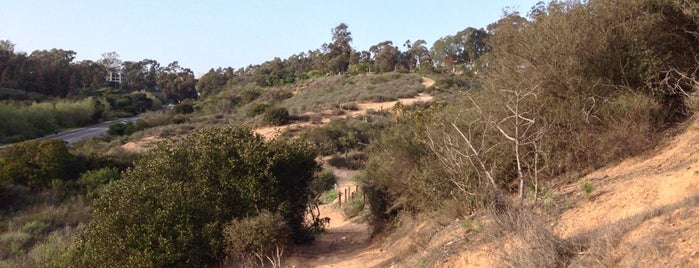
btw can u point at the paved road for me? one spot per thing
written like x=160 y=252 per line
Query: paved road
x=76 y=135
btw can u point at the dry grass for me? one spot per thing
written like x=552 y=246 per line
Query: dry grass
x=341 y=91
x=527 y=241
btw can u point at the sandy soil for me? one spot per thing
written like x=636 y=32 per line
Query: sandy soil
x=651 y=201
x=346 y=243
x=427 y=82
x=142 y=144
x=655 y=195
x=270 y=132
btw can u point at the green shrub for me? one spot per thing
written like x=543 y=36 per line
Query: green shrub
x=586 y=188
x=14 y=243
x=183 y=108
x=261 y=235
x=179 y=119
x=344 y=135
x=12 y=197
x=36 y=228
x=257 y=109
x=353 y=207
x=352 y=106
x=322 y=181
x=117 y=129
x=127 y=128
x=353 y=160
x=93 y=181
x=329 y=196
x=452 y=82
x=171 y=208
x=277 y=116
x=36 y=163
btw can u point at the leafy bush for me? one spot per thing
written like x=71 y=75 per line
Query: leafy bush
x=277 y=116
x=452 y=81
x=545 y=107
x=93 y=181
x=126 y=128
x=35 y=163
x=342 y=135
x=171 y=208
x=329 y=196
x=352 y=106
x=353 y=207
x=183 y=108
x=257 y=109
x=353 y=160
x=322 y=181
x=260 y=236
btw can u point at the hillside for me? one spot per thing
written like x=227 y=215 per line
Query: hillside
x=640 y=212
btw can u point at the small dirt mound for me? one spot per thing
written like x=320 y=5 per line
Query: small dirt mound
x=427 y=82
x=142 y=144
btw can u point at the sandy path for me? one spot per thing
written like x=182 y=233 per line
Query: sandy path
x=270 y=132
x=345 y=241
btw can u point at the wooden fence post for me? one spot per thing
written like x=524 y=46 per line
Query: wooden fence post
x=339 y=198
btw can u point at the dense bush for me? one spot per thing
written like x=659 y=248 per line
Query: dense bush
x=127 y=128
x=21 y=121
x=322 y=181
x=183 y=108
x=453 y=81
x=605 y=84
x=277 y=116
x=35 y=163
x=171 y=208
x=92 y=182
x=546 y=107
x=352 y=160
x=253 y=238
x=344 y=135
x=257 y=109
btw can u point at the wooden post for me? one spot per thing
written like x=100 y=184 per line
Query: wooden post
x=346 y=194
x=339 y=198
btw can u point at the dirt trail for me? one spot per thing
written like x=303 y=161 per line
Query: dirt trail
x=345 y=241
x=270 y=132
x=427 y=82
x=142 y=145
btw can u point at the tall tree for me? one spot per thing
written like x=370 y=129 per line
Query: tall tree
x=464 y=48
x=340 y=49
x=177 y=83
x=140 y=75
x=385 y=56
x=111 y=61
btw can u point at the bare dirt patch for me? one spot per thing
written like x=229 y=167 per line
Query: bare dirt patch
x=270 y=132
x=142 y=144
x=663 y=177
x=427 y=82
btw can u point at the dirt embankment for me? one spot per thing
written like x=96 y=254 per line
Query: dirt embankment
x=642 y=212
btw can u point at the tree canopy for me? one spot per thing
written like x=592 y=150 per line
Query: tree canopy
x=171 y=209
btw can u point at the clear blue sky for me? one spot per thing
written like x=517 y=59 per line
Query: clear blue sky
x=205 y=34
